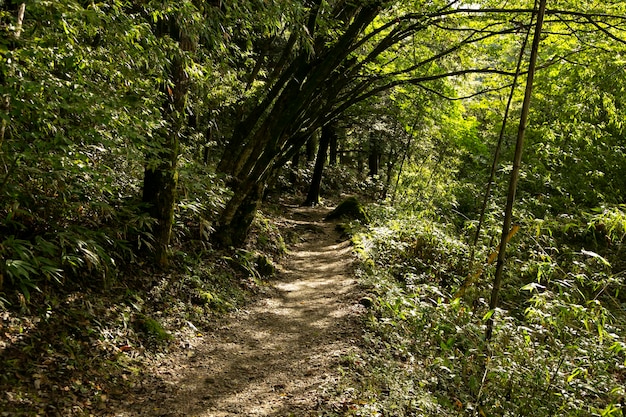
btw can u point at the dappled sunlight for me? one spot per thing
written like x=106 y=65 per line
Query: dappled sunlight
x=271 y=358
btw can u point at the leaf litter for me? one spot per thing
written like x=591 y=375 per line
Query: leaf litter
x=277 y=356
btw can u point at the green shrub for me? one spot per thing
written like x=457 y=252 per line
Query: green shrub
x=558 y=347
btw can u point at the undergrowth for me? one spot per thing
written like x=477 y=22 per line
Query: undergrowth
x=559 y=342
x=83 y=346
x=84 y=352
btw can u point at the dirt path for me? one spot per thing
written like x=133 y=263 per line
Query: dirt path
x=274 y=357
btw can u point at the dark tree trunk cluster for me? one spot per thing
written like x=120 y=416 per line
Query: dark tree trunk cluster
x=301 y=100
x=329 y=135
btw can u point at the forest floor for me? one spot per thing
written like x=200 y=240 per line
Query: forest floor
x=279 y=355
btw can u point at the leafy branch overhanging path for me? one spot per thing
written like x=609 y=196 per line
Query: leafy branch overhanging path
x=275 y=357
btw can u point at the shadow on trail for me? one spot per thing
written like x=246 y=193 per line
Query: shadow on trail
x=271 y=359
x=55 y=366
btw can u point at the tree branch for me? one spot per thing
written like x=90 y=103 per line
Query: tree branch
x=607 y=32
x=478 y=93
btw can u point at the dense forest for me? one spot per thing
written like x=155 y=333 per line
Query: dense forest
x=145 y=147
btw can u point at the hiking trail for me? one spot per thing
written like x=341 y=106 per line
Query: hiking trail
x=277 y=355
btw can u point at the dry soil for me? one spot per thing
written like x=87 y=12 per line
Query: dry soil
x=279 y=354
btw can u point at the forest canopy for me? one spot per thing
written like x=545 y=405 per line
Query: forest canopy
x=104 y=104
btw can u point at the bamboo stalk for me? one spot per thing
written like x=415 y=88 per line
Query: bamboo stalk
x=508 y=214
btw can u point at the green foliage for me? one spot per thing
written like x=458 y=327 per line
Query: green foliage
x=417 y=250
x=610 y=223
x=558 y=346
x=267 y=238
x=74 y=118
x=27 y=264
x=86 y=105
x=72 y=250
x=198 y=204
x=83 y=111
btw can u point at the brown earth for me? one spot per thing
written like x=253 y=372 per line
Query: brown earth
x=278 y=355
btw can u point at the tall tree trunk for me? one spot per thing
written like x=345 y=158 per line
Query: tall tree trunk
x=312 y=148
x=388 y=179
x=469 y=279
x=313 y=196
x=161 y=172
x=373 y=160
x=517 y=160
x=233 y=232
x=298 y=103
x=237 y=216
x=333 y=151
x=159 y=192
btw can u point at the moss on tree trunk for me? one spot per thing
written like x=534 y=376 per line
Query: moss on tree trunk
x=159 y=191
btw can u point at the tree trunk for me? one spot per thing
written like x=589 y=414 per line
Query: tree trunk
x=159 y=192
x=311 y=148
x=299 y=102
x=389 y=165
x=517 y=160
x=238 y=214
x=295 y=164
x=469 y=279
x=232 y=232
x=161 y=172
x=334 y=139
x=313 y=197
x=373 y=159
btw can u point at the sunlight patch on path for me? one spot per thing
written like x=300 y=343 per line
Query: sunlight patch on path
x=272 y=358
